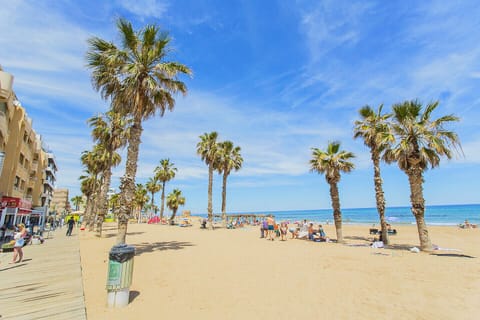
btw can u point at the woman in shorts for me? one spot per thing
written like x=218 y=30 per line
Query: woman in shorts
x=19 y=243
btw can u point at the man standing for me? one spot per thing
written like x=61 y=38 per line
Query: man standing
x=71 y=223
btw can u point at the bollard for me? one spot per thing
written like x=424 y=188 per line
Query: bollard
x=120 y=272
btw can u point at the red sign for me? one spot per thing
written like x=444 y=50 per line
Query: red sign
x=11 y=202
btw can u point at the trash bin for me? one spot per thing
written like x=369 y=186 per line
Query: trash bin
x=119 y=278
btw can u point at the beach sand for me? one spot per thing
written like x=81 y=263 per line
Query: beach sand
x=190 y=273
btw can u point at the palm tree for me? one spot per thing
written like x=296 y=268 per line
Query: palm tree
x=331 y=163
x=207 y=149
x=164 y=173
x=153 y=187
x=174 y=200
x=141 y=198
x=140 y=83
x=87 y=187
x=113 y=203
x=94 y=163
x=229 y=158
x=77 y=201
x=110 y=131
x=420 y=142
x=373 y=128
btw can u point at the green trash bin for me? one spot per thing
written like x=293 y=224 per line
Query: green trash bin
x=120 y=272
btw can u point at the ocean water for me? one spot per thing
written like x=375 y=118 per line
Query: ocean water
x=447 y=215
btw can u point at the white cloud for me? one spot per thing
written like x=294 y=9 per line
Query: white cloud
x=145 y=8
x=331 y=24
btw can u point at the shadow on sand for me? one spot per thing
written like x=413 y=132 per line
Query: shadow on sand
x=133 y=295
x=110 y=235
x=454 y=255
x=146 y=247
x=368 y=239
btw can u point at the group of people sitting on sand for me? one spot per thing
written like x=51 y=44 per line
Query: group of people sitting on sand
x=299 y=230
x=467 y=225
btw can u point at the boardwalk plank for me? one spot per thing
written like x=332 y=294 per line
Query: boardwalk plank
x=47 y=285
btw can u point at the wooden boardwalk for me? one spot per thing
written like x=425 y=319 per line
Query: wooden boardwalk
x=47 y=285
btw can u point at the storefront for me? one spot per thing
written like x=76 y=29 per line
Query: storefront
x=14 y=211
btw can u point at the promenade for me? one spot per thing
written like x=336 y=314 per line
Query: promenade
x=47 y=284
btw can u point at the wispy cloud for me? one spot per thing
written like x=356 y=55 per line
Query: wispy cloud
x=145 y=8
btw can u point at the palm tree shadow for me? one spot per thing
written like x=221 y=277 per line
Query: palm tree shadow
x=368 y=239
x=110 y=235
x=456 y=255
x=147 y=247
x=403 y=246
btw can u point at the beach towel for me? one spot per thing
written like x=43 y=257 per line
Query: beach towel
x=377 y=244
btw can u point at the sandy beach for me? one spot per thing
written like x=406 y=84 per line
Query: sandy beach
x=190 y=273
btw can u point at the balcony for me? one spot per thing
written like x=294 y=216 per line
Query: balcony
x=52 y=161
x=49 y=184
x=6 y=82
x=50 y=171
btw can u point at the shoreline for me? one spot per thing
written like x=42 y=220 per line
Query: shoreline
x=232 y=274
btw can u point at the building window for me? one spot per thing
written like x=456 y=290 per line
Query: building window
x=25 y=136
x=22 y=185
x=22 y=158
x=16 y=185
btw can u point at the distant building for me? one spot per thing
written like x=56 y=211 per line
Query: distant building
x=27 y=167
x=60 y=203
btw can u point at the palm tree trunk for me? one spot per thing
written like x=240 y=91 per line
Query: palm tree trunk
x=140 y=214
x=163 y=202
x=152 y=203
x=210 y=184
x=415 y=178
x=103 y=201
x=86 y=212
x=174 y=212
x=91 y=214
x=224 y=200
x=127 y=186
x=337 y=214
x=379 y=196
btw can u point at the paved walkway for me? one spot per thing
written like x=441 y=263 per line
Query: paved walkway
x=47 y=285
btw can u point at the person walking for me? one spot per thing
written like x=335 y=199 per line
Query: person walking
x=19 y=243
x=71 y=223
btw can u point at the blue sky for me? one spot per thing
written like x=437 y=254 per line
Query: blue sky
x=275 y=77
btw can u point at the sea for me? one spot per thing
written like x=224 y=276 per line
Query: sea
x=440 y=215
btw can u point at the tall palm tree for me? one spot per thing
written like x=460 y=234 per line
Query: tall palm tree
x=153 y=187
x=111 y=131
x=94 y=162
x=140 y=83
x=420 y=142
x=164 y=173
x=229 y=158
x=77 y=201
x=207 y=148
x=87 y=187
x=331 y=163
x=373 y=128
x=174 y=200
x=141 y=198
